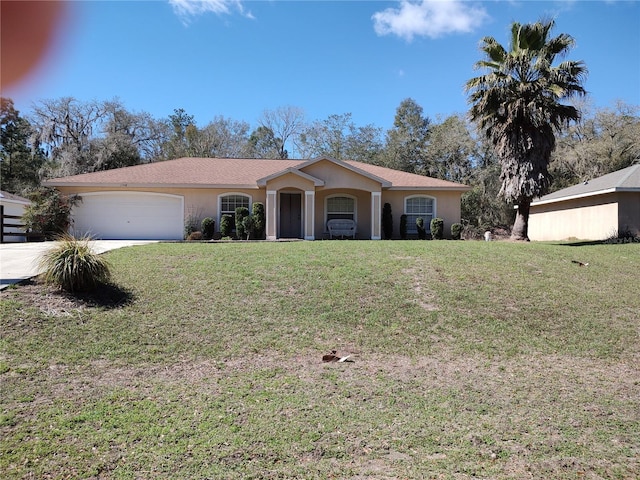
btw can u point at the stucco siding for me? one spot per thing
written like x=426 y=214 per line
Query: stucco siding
x=198 y=202
x=339 y=177
x=590 y=218
x=290 y=180
x=363 y=211
x=203 y=202
x=447 y=207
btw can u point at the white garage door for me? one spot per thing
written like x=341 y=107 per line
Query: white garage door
x=129 y=215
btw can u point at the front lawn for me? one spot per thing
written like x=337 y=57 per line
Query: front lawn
x=489 y=360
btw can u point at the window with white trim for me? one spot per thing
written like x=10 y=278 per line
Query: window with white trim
x=229 y=203
x=341 y=207
x=418 y=206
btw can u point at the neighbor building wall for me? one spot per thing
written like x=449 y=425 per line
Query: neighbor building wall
x=629 y=212
x=589 y=218
x=16 y=209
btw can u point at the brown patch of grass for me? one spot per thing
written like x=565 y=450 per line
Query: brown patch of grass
x=216 y=370
x=504 y=418
x=52 y=301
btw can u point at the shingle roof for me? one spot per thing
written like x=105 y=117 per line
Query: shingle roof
x=226 y=172
x=191 y=171
x=14 y=198
x=399 y=179
x=627 y=179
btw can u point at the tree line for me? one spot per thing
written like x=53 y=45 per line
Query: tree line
x=66 y=136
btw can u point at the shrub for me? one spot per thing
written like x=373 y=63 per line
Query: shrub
x=623 y=236
x=208 y=228
x=226 y=225
x=241 y=213
x=387 y=221
x=437 y=229
x=49 y=213
x=422 y=232
x=248 y=226
x=258 y=221
x=72 y=266
x=195 y=236
x=403 y=227
x=456 y=231
x=190 y=226
x=471 y=232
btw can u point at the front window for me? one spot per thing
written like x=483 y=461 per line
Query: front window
x=229 y=203
x=341 y=208
x=415 y=207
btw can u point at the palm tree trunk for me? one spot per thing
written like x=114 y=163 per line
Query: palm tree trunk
x=520 y=229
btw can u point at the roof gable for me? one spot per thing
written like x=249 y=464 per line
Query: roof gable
x=12 y=198
x=627 y=179
x=347 y=165
x=262 y=182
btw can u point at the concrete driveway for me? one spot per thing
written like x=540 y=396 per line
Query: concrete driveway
x=19 y=261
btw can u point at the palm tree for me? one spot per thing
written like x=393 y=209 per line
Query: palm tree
x=517 y=105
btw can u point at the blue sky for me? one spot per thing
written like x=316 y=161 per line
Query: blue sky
x=236 y=58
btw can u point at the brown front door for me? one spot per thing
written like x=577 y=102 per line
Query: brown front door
x=290 y=215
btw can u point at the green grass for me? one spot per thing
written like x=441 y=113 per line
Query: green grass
x=471 y=360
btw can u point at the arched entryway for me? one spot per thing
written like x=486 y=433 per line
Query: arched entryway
x=290 y=215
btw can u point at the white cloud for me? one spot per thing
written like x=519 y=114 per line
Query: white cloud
x=191 y=8
x=430 y=18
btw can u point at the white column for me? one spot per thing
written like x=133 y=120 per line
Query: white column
x=271 y=226
x=376 y=215
x=309 y=214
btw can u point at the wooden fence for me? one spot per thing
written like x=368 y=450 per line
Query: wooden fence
x=8 y=221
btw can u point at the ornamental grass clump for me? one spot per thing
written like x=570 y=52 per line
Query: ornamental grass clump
x=72 y=266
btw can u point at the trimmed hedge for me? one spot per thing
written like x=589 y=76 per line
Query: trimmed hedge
x=403 y=227
x=387 y=221
x=258 y=221
x=456 y=231
x=241 y=214
x=208 y=228
x=437 y=229
x=422 y=232
x=226 y=225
